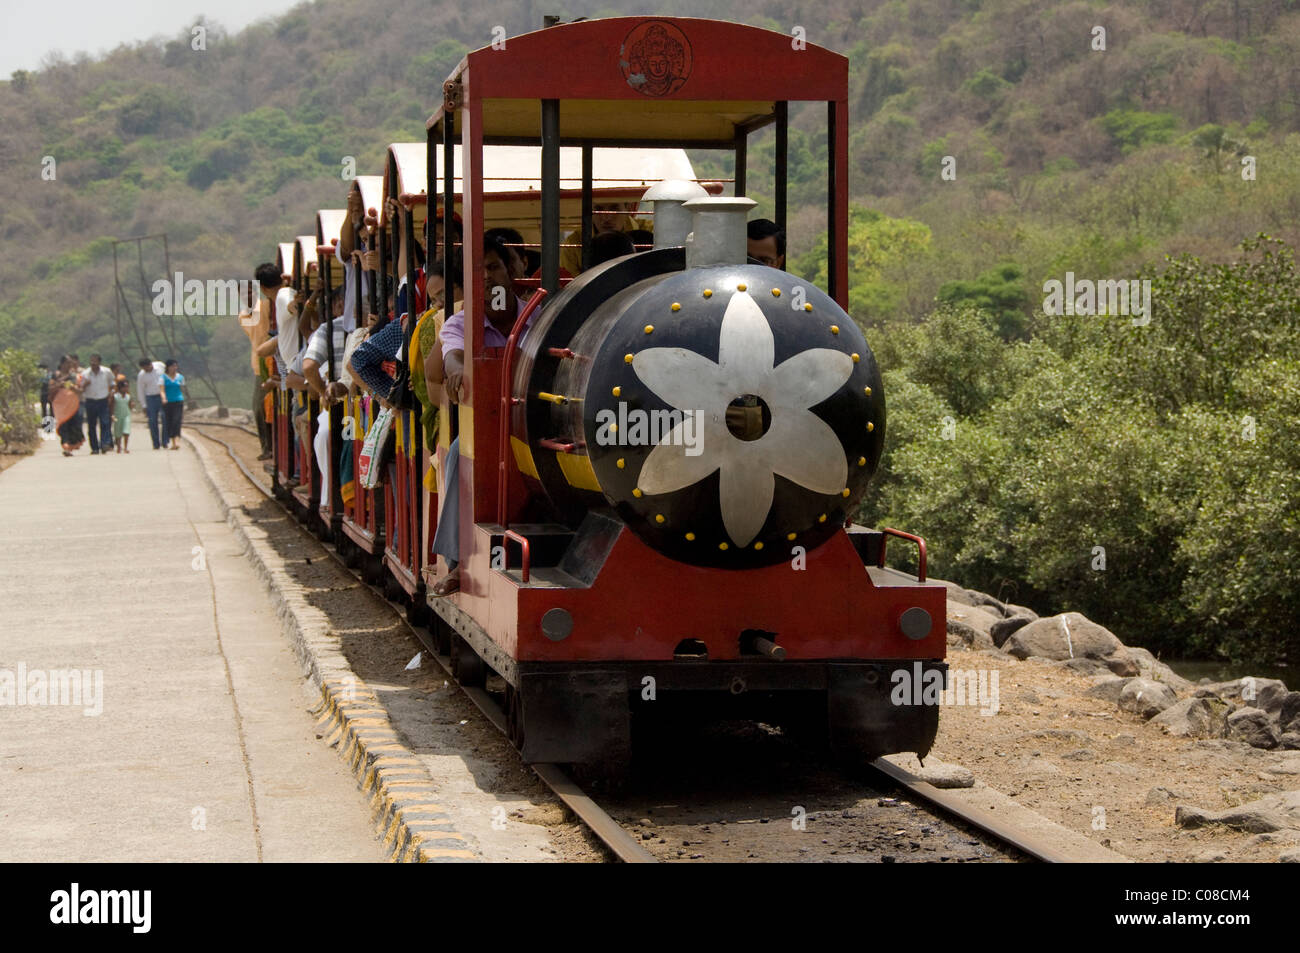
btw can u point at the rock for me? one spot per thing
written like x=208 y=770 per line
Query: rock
x=1067 y=636
x=1273 y=812
x=1160 y=795
x=1270 y=696
x=961 y=635
x=1288 y=717
x=1107 y=688
x=1001 y=630
x=1123 y=664
x=1080 y=754
x=969 y=626
x=1252 y=726
x=1290 y=740
x=1194 y=718
x=1141 y=696
x=941 y=774
x=1289 y=857
x=1151 y=667
x=1085 y=666
x=984 y=599
x=1014 y=610
x=956 y=593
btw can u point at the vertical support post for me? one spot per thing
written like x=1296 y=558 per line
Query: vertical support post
x=782 y=157
x=551 y=195
x=742 y=158
x=448 y=202
x=587 y=229
x=837 y=198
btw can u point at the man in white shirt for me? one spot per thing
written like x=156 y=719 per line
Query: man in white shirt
x=147 y=389
x=98 y=380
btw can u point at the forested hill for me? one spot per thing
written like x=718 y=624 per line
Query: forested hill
x=1064 y=153
x=1140 y=470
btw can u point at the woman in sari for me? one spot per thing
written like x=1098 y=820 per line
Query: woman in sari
x=65 y=396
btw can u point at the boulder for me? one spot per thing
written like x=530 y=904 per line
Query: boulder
x=984 y=600
x=1060 y=637
x=964 y=635
x=1288 y=716
x=956 y=593
x=1014 y=610
x=1194 y=718
x=1107 y=688
x=1290 y=740
x=1273 y=812
x=1252 y=725
x=1289 y=857
x=1085 y=666
x=1268 y=694
x=1002 y=629
x=1141 y=696
x=1123 y=664
x=1151 y=667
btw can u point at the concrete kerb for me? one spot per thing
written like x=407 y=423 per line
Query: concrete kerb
x=412 y=826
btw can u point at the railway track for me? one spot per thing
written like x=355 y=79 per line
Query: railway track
x=616 y=838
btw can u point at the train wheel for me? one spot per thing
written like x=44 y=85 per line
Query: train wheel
x=514 y=717
x=466 y=665
x=417 y=611
x=441 y=633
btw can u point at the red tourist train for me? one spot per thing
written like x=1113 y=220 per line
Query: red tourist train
x=656 y=475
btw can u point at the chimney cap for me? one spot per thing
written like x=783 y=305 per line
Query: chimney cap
x=720 y=203
x=674 y=190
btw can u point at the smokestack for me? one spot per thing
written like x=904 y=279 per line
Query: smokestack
x=718 y=234
x=672 y=222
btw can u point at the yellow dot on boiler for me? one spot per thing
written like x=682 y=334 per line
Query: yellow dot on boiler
x=844 y=492
x=789 y=536
x=708 y=292
x=627 y=358
x=637 y=493
x=870 y=426
x=867 y=391
x=742 y=287
x=856 y=358
x=621 y=463
x=807 y=307
x=613 y=428
x=690 y=537
x=776 y=292
x=722 y=546
x=758 y=545
x=677 y=306
x=616 y=391
x=649 y=328
x=835 y=329
x=862 y=461
x=822 y=518
x=659 y=517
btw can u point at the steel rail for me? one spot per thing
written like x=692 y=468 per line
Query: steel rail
x=613 y=835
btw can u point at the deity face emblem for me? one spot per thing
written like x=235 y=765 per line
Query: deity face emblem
x=655 y=58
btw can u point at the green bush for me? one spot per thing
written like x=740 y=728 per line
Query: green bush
x=19 y=390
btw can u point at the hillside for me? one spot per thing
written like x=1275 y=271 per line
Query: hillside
x=1064 y=154
x=1143 y=477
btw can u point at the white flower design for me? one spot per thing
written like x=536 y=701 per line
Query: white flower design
x=798 y=445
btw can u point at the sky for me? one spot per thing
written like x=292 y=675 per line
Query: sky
x=32 y=29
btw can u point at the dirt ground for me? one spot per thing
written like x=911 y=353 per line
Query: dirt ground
x=1106 y=773
x=1076 y=760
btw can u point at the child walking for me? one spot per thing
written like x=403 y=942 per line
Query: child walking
x=122 y=416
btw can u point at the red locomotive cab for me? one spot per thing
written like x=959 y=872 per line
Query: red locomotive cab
x=598 y=546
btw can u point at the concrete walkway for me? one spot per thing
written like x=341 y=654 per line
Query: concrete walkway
x=198 y=744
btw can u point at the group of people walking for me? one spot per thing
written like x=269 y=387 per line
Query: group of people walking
x=96 y=401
